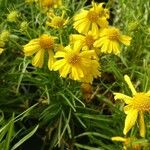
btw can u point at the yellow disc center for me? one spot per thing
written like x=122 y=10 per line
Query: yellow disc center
x=46 y=42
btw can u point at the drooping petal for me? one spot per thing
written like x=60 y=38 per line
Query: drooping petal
x=99 y=42
x=130 y=120
x=142 y=124
x=94 y=28
x=58 y=64
x=38 y=59
x=75 y=75
x=80 y=72
x=116 y=47
x=126 y=40
x=88 y=54
x=30 y=50
x=51 y=59
x=60 y=54
x=77 y=46
x=65 y=71
x=76 y=37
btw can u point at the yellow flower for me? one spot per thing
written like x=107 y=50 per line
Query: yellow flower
x=12 y=16
x=1 y=50
x=86 y=40
x=50 y=3
x=136 y=106
x=44 y=43
x=92 y=19
x=109 y=40
x=76 y=63
x=56 y=21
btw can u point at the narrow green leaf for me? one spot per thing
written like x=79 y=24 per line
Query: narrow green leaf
x=68 y=102
x=10 y=133
x=25 y=138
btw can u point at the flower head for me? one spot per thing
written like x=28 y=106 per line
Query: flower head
x=87 y=40
x=136 y=106
x=56 y=21
x=109 y=40
x=92 y=19
x=44 y=43
x=76 y=63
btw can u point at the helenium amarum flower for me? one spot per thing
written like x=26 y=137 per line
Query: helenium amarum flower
x=135 y=108
x=55 y=21
x=110 y=39
x=39 y=46
x=77 y=64
x=92 y=19
x=87 y=40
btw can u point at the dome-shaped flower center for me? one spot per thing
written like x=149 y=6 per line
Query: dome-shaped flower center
x=89 y=41
x=58 y=22
x=141 y=102
x=92 y=16
x=46 y=42
x=113 y=34
x=74 y=59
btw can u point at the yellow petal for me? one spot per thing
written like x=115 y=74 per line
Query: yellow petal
x=51 y=59
x=30 y=50
x=65 y=71
x=76 y=37
x=81 y=15
x=125 y=98
x=125 y=39
x=130 y=120
x=38 y=59
x=60 y=54
x=77 y=46
x=80 y=72
x=116 y=48
x=99 y=42
x=58 y=64
x=75 y=75
x=94 y=29
x=118 y=138
x=141 y=124
x=128 y=81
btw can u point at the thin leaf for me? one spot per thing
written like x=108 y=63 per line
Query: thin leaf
x=25 y=138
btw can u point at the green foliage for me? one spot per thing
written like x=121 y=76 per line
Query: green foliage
x=38 y=104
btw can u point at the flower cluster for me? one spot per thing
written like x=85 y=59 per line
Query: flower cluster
x=95 y=20
x=79 y=59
